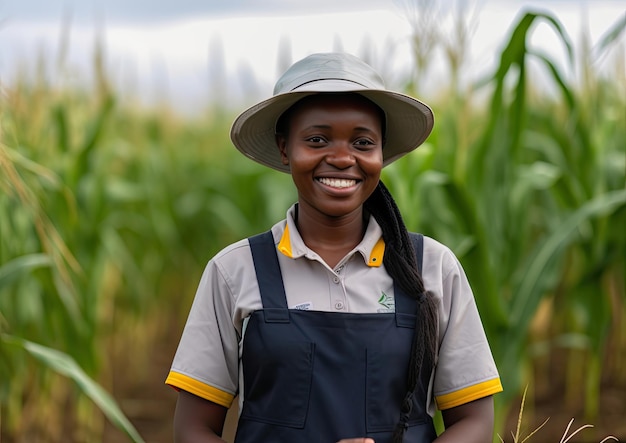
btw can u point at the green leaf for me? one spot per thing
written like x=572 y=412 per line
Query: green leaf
x=20 y=266
x=611 y=36
x=65 y=365
x=533 y=284
x=531 y=287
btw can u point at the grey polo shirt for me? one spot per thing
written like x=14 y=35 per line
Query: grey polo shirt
x=207 y=361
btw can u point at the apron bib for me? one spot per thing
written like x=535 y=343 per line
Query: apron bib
x=312 y=376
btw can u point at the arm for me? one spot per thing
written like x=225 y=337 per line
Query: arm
x=197 y=420
x=469 y=423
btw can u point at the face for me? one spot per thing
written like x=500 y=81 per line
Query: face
x=333 y=147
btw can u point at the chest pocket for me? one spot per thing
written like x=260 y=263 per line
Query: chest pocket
x=271 y=361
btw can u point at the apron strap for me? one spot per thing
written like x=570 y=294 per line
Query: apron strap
x=418 y=246
x=269 y=278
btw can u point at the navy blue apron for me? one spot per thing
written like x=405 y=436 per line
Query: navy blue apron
x=312 y=376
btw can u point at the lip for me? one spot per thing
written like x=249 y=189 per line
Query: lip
x=341 y=186
x=338 y=176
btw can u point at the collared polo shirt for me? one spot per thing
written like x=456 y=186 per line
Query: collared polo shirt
x=207 y=361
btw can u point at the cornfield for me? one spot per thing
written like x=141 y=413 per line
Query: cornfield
x=109 y=211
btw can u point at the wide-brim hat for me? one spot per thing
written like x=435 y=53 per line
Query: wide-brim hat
x=408 y=120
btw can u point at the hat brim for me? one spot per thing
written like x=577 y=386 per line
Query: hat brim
x=408 y=122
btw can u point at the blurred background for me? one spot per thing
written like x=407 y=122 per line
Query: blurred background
x=118 y=182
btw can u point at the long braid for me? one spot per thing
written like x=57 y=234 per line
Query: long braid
x=401 y=264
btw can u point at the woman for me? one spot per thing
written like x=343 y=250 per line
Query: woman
x=337 y=324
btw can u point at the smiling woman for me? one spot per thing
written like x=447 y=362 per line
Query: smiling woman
x=141 y=198
x=337 y=324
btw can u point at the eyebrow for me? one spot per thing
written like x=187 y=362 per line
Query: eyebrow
x=358 y=128
x=317 y=127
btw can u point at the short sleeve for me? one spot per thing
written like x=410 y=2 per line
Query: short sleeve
x=465 y=369
x=206 y=361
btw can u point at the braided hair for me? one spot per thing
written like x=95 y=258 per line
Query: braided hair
x=401 y=264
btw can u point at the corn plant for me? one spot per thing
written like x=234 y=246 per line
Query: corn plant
x=537 y=190
x=108 y=213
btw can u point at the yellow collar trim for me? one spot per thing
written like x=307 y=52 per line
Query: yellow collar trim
x=284 y=245
x=375 y=259
x=376 y=256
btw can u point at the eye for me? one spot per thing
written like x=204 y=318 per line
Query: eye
x=316 y=139
x=364 y=143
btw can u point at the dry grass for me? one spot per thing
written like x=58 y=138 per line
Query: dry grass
x=518 y=437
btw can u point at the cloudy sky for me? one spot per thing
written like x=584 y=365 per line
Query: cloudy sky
x=150 y=10
x=189 y=52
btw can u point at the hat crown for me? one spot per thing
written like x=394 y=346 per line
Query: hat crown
x=305 y=73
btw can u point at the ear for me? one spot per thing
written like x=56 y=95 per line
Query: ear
x=281 y=142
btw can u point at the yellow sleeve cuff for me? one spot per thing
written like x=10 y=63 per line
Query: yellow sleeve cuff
x=180 y=381
x=469 y=394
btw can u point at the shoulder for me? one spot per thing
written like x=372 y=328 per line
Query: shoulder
x=232 y=253
x=444 y=276
x=438 y=259
x=236 y=259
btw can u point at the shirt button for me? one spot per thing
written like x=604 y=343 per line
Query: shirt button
x=339 y=305
x=336 y=279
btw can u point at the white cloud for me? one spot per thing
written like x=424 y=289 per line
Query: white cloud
x=179 y=59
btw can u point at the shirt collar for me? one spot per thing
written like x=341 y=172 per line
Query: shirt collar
x=372 y=246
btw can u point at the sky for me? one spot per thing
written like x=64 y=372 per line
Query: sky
x=133 y=11
x=191 y=52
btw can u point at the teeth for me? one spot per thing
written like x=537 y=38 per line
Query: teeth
x=337 y=183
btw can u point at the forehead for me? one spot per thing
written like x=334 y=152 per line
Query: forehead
x=333 y=102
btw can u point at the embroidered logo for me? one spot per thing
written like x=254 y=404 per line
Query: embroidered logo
x=388 y=303
x=303 y=306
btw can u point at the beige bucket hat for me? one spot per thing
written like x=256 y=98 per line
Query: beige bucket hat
x=408 y=121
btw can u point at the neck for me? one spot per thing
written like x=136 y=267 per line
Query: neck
x=331 y=237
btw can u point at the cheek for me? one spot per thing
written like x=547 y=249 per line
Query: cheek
x=373 y=169
x=374 y=164
x=303 y=159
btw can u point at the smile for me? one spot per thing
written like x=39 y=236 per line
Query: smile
x=337 y=182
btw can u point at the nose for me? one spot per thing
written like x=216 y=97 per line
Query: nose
x=340 y=155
